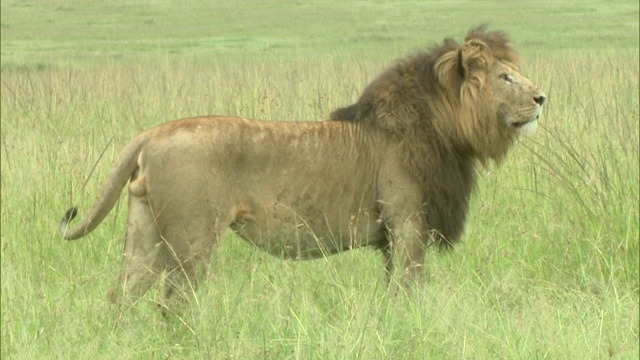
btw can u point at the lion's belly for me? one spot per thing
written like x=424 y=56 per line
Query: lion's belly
x=307 y=234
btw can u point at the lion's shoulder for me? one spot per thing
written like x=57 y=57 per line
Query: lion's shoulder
x=347 y=113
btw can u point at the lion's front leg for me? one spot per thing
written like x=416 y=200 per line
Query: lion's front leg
x=407 y=250
x=401 y=205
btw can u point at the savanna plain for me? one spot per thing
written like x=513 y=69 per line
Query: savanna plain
x=548 y=265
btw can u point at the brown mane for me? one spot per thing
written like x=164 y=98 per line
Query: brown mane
x=439 y=108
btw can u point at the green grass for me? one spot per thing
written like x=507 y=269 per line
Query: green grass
x=40 y=33
x=549 y=263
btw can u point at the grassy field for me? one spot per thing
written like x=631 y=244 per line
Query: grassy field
x=549 y=265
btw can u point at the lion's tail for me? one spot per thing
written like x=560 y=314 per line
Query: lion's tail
x=123 y=167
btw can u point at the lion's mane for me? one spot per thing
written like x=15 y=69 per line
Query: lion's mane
x=438 y=107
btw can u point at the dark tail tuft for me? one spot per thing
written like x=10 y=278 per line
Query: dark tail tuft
x=68 y=216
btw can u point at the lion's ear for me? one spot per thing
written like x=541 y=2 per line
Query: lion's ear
x=474 y=56
x=459 y=65
x=449 y=69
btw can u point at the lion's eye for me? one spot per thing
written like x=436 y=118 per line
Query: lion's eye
x=506 y=77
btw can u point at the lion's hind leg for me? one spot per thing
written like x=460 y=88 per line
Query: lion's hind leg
x=144 y=257
x=188 y=257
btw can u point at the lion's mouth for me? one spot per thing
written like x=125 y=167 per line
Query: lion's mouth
x=526 y=127
x=520 y=124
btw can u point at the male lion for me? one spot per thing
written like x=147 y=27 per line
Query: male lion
x=395 y=172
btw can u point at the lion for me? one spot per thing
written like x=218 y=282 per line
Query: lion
x=394 y=171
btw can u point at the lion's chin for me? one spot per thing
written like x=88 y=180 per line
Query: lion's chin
x=526 y=127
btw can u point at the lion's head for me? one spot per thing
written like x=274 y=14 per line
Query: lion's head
x=472 y=95
x=448 y=108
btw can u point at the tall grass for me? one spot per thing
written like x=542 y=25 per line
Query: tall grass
x=594 y=162
x=548 y=268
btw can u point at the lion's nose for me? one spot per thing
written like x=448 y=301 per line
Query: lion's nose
x=539 y=99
